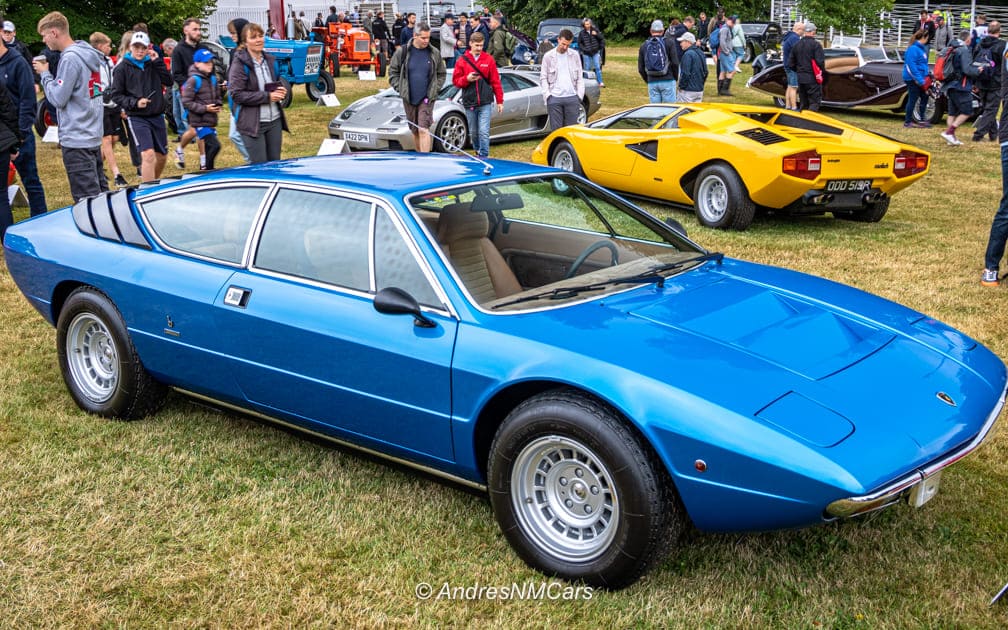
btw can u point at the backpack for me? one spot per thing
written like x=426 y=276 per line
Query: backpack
x=945 y=68
x=714 y=39
x=656 y=60
x=985 y=59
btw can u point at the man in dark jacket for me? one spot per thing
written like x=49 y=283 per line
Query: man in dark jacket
x=999 y=225
x=692 y=69
x=661 y=86
x=590 y=44
x=181 y=60
x=807 y=50
x=417 y=73
x=137 y=87
x=959 y=92
x=10 y=142
x=990 y=83
x=381 y=33
x=21 y=90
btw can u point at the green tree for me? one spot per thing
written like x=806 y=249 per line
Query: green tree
x=844 y=15
x=163 y=17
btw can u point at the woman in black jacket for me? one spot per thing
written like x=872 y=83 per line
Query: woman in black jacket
x=254 y=85
x=590 y=44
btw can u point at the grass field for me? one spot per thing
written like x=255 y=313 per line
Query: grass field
x=200 y=518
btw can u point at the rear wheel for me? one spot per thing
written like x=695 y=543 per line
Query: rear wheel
x=99 y=362
x=322 y=85
x=43 y=117
x=451 y=133
x=565 y=158
x=334 y=59
x=721 y=200
x=750 y=53
x=872 y=213
x=578 y=494
x=381 y=62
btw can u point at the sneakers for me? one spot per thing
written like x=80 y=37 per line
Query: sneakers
x=120 y=181
x=989 y=278
x=950 y=138
x=909 y=125
x=922 y=124
x=179 y=157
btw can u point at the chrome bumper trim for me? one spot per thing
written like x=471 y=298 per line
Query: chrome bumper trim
x=891 y=493
x=345 y=443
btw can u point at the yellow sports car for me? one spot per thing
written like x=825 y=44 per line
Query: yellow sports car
x=728 y=160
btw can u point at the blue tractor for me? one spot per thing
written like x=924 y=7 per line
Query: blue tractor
x=299 y=62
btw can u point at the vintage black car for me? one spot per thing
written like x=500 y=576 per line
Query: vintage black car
x=760 y=37
x=855 y=76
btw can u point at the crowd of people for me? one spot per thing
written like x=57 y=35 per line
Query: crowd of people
x=98 y=100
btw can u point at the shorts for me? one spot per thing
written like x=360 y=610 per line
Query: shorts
x=792 y=77
x=727 y=61
x=960 y=103
x=149 y=132
x=421 y=115
x=111 y=121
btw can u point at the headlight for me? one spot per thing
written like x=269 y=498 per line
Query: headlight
x=527 y=56
x=347 y=113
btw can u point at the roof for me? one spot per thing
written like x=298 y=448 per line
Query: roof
x=384 y=173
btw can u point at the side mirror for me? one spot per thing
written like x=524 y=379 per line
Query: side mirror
x=676 y=226
x=395 y=301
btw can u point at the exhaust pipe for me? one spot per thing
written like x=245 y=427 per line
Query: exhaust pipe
x=872 y=197
x=820 y=200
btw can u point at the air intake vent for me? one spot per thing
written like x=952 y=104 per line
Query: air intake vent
x=763 y=136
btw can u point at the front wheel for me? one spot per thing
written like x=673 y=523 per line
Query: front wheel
x=322 y=85
x=99 y=362
x=565 y=158
x=750 y=53
x=578 y=494
x=451 y=133
x=721 y=200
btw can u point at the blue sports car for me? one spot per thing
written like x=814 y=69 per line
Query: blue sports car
x=517 y=329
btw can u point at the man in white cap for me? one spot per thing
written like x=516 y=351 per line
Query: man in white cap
x=658 y=65
x=692 y=69
x=9 y=35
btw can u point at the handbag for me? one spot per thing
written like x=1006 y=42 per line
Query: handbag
x=816 y=71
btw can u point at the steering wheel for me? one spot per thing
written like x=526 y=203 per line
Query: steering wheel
x=588 y=251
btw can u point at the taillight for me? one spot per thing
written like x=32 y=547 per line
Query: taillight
x=806 y=165
x=909 y=163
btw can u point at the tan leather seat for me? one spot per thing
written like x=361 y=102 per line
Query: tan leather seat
x=839 y=65
x=484 y=272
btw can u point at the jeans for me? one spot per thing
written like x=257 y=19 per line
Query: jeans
x=915 y=97
x=28 y=172
x=662 y=91
x=593 y=62
x=999 y=226
x=236 y=139
x=479 y=128
x=178 y=110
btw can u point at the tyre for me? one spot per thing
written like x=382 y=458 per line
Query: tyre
x=565 y=158
x=934 y=111
x=750 y=53
x=324 y=84
x=285 y=103
x=382 y=62
x=578 y=495
x=872 y=213
x=43 y=117
x=452 y=133
x=721 y=200
x=99 y=363
x=334 y=59
x=582 y=117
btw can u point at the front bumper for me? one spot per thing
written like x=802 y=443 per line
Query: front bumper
x=395 y=139
x=893 y=492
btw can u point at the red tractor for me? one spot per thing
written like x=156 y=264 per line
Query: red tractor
x=347 y=45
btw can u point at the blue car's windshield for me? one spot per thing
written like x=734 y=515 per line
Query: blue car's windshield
x=545 y=232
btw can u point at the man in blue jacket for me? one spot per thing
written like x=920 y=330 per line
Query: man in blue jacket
x=20 y=80
x=787 y=44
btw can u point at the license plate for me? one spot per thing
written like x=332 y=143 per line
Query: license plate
x=363 y=138
x=925 y=490
x=848 y=185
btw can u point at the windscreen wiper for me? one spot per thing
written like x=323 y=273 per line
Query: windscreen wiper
x=559 y=293
x=654 y=273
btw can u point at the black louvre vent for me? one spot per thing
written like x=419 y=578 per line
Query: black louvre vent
x=763 y=136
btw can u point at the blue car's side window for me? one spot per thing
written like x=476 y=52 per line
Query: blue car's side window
x=395 y=265
x=317 y=236
x=214 y=223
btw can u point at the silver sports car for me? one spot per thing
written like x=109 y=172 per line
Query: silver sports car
x=378 y=122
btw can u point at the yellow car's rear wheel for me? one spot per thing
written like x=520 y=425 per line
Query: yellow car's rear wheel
x=721 y=200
